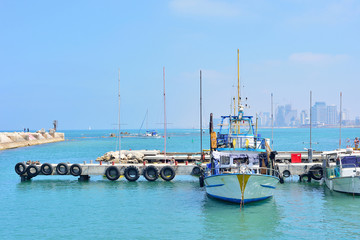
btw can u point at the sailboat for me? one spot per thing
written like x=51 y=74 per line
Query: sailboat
x=148 y=133
x=242 y=167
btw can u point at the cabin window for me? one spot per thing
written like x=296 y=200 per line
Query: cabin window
x=350 y=162
x=225 y=160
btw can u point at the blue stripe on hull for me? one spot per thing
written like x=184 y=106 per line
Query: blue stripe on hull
x=235 y=200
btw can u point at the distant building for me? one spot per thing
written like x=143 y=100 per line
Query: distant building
x=280 y=116
x=332 y=115
x=304 y=118
x=264 y=119
x=319 y=113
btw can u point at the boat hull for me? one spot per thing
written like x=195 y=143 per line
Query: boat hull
x=238 y=188
x=344 y=184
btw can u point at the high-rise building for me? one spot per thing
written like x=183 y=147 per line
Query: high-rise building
x=319 y=113
x=304 y=118
x=280 y=116
x=332 y=115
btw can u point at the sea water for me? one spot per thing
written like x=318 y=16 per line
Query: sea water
x=61 y=207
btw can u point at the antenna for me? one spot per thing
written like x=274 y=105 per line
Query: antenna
x=119 y=119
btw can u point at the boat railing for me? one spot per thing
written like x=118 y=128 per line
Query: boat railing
x=242 y=169
x=236 y=141
x=347 y=169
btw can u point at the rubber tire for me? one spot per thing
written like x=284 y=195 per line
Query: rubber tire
x=127 y=173
x=305 y=178
x=74 y=173
x=316 y=168
x=58 y=169
x=196 y=171
x=44 y=172
x=148 y=176
x=18 y=171
x=286 y=173
x=112 y=177
x=164 y=175
x=201 y=181
x=29 y=173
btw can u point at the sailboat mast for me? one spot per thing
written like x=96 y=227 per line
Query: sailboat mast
x=119 y=117
x=272 y=122
x=340 y=120
x=164 y=116
x=310 y=116
x=201 y=150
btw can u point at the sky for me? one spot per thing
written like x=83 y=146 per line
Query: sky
x=59 y=60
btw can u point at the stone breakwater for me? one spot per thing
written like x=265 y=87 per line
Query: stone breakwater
x=10 y=140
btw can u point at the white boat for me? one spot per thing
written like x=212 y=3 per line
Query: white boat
x=342 y=170
x=241 y=169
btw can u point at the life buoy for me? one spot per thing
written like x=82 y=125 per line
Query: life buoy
x=286 y=173
x=305 y=178
x=62 y=169
x=132 y=173
x=20 y=168
x=196 y=171
x=46 y=169
x=112 y=173
x=151 y=173
x=75 y=170
x=167 y=173
x=316 y=172
x=32 y=171
x=201 y=181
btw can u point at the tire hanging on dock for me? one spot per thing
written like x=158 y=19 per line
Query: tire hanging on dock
x=167 y=173
x=62 y=169
x=305 y=178
x=316 y=172
x=75 y=170
x=46 y=169
x=20 y=168
x=286 y=173
x=132 y=173
x=112 y=173
x=32 y=171
x=196 y=171
x=151 y=173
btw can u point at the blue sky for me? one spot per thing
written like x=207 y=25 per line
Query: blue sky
x=60 y=59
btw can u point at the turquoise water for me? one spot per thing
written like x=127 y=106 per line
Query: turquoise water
x=59 y=207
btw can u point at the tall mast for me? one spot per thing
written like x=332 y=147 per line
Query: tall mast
x=164 y=116
x=340 y=119
x=310 y=116
x=238 y=80
x=201 y=150
x=272 y=123
x=119 y=117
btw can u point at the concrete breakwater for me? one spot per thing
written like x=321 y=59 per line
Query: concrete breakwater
x=10 y=140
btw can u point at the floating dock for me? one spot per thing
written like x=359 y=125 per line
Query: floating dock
x=152 y=164
x=10 y=140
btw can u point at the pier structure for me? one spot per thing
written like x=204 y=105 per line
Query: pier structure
x=10 y=140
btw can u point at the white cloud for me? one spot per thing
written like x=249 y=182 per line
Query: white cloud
x=316 y=58
x=209 y=8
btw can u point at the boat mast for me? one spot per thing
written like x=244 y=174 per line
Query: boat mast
x=164 y=116
x=201 y=148
x=238 y=80
x=272 y=122
x=119 y=137
x=340 y=120
x=310 y=149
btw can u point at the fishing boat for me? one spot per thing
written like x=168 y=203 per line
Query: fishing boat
x=242 y=167
x=342 y=170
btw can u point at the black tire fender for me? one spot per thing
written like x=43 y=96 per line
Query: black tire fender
x=20 y=168
x=167 y=173
x=75 y=170
x=29 y=172
x=132 y=173
x=151 y=173
x=196 y=171
x=112 y=173
x=46 y=169
x=62 y=169
x=305 y=178
x=316 y=172
x=201 y=181
x=286 y=173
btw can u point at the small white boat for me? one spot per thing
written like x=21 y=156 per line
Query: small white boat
x=342 y=170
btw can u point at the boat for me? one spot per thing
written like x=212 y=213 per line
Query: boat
x=342 y=170
x=148 y=133
x=242 y=167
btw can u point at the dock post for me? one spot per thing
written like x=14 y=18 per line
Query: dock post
x=84 y=178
